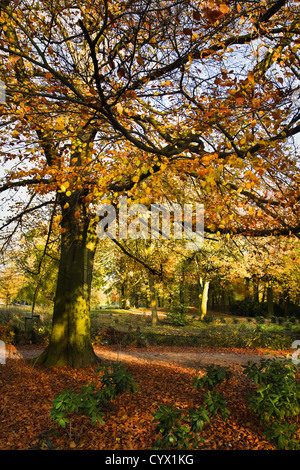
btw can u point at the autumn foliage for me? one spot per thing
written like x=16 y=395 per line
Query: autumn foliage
x=28 y=396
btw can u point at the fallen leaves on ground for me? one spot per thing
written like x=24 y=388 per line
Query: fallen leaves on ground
x=27 y=393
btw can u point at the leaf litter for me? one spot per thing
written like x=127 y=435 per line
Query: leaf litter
x=27 y=393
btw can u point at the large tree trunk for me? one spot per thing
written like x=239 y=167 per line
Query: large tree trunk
x=70 y=342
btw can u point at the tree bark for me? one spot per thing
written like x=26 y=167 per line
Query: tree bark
x=256 y=291
x=270 y=302
x=153 y=300
x=70 y=341
x=203 y=298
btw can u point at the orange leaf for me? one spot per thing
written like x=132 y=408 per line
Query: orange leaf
x=251 y=77
x=224 y=8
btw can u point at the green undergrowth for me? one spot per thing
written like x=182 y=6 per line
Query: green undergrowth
x=122 y=327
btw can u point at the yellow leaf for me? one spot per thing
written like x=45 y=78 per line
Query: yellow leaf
x=60 y=125
x=119 y=108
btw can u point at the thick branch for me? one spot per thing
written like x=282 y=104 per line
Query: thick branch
x=22 y=183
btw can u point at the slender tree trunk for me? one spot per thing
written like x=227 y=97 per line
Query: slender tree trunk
x=270 y=302
x=153 y=300
x=256 y=292
x=203 y=297
x=247 y=288
x=123 y=295
x=285 y=303
x=70 y=342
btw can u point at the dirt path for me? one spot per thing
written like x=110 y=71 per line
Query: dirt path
x=184 y=357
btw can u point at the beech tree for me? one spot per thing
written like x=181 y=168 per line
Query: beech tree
x=108 y=98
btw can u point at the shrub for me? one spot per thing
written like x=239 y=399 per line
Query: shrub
x=260 y=309
x=182 y=432
x=117 y=378
x=208 y=319
x=198 y=418
x=215 y=403
x=214 y=375
x=176 y=431
x=135 y=338
x=178 y=315
x=92 y=401
x=40 y=334
x=173 y=433
x=248 y=308
x=276 y=399
x=283 y=434
x=242 y=308
x=7 y=333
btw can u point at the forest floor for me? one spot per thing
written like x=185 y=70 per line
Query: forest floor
x=164 y=375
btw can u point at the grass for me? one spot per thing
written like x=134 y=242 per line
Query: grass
x=134 y=327
x=214 y=331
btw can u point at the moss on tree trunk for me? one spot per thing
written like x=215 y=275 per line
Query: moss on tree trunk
x=70 y=341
